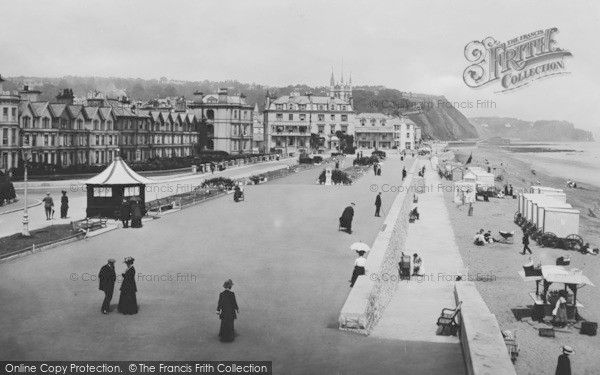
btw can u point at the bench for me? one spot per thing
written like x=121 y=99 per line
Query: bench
x=512 y=345
x=448 y=320
x=90 y=224
x=159 y=205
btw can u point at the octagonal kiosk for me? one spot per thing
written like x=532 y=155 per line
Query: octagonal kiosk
x=106 y=191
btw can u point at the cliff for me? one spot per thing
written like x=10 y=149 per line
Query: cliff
x=545 y=130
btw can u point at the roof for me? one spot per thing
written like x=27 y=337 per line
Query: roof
x=39 y=107
x=558 y=274
x=231 y=99
x=57 y=109
x=372 y=116
x=118 y=173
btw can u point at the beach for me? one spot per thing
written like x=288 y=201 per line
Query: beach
x=494 y=267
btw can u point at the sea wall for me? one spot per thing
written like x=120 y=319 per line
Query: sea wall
x=372 y=292
x=483 y=347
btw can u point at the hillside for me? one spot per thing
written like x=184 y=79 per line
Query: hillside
x=437 y=120
x=545 y=130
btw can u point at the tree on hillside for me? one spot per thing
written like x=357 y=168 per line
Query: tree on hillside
x=315 y=141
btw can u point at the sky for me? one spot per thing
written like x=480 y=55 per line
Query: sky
x=415 y=46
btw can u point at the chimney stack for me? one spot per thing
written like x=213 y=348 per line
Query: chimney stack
x=223 y=95
x=65 y=96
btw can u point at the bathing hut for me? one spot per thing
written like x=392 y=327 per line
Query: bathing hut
x=106 y=191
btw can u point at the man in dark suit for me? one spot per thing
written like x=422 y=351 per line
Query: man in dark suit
x=377 y=204
x=107 y=278
x=125 y=213
x=403 y=173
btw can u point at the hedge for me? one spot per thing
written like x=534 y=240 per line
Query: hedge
x=337 y=177
x=365 y=160
x=219 y=181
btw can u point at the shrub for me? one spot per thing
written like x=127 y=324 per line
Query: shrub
x=351 y=150
x=303 y=160
x=337 y=177
x=7 y=190
x=365 y=160
x=379 y=153
x=334 y=154
x=219 y=181
x=317 y=159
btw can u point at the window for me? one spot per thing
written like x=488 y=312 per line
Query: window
x=26 y=139
x=210 y=114
x=97 y=140
x=302 y=117
x=26 y=121
x=407 y=135
x=320 y=108
x=372 y=122
x=321 y=117
x=343 y=108
x=14 y=136
x=279 y=107
x=5 y=114
x=45 y=139
x=332 y=117
x=321 y=129
x=53 y=140
x=382 y=122
x=362 y=122
x=131 y=191
x=105 y=192
x=344 y=129
x=5 y=136
x=14 y=113
x=33 y=140
x=291 y=116
x=279 y=116
x=344 y=117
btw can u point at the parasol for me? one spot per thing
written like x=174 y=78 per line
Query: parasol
x=360 y=246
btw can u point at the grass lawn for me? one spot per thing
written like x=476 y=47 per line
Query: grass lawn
x=38 y=237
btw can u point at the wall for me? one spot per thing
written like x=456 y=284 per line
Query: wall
x=367 y=300
x=484 y=350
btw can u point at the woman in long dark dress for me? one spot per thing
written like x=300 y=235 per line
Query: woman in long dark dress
x=227 y=310
x=64 y=205
x=136 y=214
x=128 y=301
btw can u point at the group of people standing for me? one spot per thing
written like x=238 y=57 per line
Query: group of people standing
x=131 y=210
x=49 y=206
x=107 y=278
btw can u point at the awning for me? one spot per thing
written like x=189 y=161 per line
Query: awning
x=118 y=173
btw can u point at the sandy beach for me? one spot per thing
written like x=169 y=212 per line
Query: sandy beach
x=495 y=266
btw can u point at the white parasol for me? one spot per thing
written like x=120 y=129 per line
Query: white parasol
x=360 y=246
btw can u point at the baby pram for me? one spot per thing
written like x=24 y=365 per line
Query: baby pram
x=404 y=267
x=507 y=237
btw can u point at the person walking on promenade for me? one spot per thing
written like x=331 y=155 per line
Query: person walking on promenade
x=227 y=309
x=377 y=204
x=107 y=278
x=359 y=267
x=526 y=243
x=563 y=367
x=48 y=205
x=346 y=218
x=403 y=173
x=128 y=300
x=510 y=190
x=378 y=169
x=125 y=213
x=64 y=205
x=137 y=213
x=212 y=167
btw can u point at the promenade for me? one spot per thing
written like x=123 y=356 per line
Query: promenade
x=288 y=261
x=11 y=223
x=416 y=305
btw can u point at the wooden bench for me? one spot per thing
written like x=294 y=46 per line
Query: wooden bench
x=448 y=320
x=90 y=224
x=512 y=346
x=159 y=205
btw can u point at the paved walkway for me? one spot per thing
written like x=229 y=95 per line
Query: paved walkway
x=413 y=311
x=281 y=247
x=11 y=223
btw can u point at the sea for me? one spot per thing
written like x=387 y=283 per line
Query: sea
x=577 y=161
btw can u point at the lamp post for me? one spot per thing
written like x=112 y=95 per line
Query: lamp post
x=25 y=232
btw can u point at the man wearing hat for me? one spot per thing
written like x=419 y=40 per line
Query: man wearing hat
x=564 y=363
x=107 y=278
x=48 y=204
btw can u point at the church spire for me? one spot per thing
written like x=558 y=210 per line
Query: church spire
x=332 y=80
